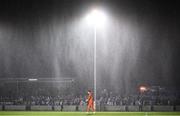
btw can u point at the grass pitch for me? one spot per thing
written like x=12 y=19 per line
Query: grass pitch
x=46 y=113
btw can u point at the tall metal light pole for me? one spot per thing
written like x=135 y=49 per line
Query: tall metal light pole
x=95 y=67
x=97 y=19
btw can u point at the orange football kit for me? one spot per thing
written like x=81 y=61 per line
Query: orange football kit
x=90 y=102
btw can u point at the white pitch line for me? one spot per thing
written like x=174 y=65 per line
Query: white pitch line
x=146 y=114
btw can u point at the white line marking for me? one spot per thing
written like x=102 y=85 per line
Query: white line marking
x=146 y=114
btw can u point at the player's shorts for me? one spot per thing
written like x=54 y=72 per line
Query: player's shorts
x=90 y=105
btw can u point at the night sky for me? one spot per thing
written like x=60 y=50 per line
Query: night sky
x=44 y=39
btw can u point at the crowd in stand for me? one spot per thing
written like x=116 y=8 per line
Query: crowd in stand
x=105 y=98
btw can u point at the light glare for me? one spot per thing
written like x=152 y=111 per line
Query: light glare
x=32 y=79
x=96 y=18
x=143 y=88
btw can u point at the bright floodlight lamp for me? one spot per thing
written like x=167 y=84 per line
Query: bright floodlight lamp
x=143 y=89
x=32 y=79
x=96 y=18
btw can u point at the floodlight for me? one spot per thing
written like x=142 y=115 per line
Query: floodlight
x=96 y=18
x=32 y=79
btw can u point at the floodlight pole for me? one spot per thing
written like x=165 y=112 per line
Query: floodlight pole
x=93 y=17
x=95 y=67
